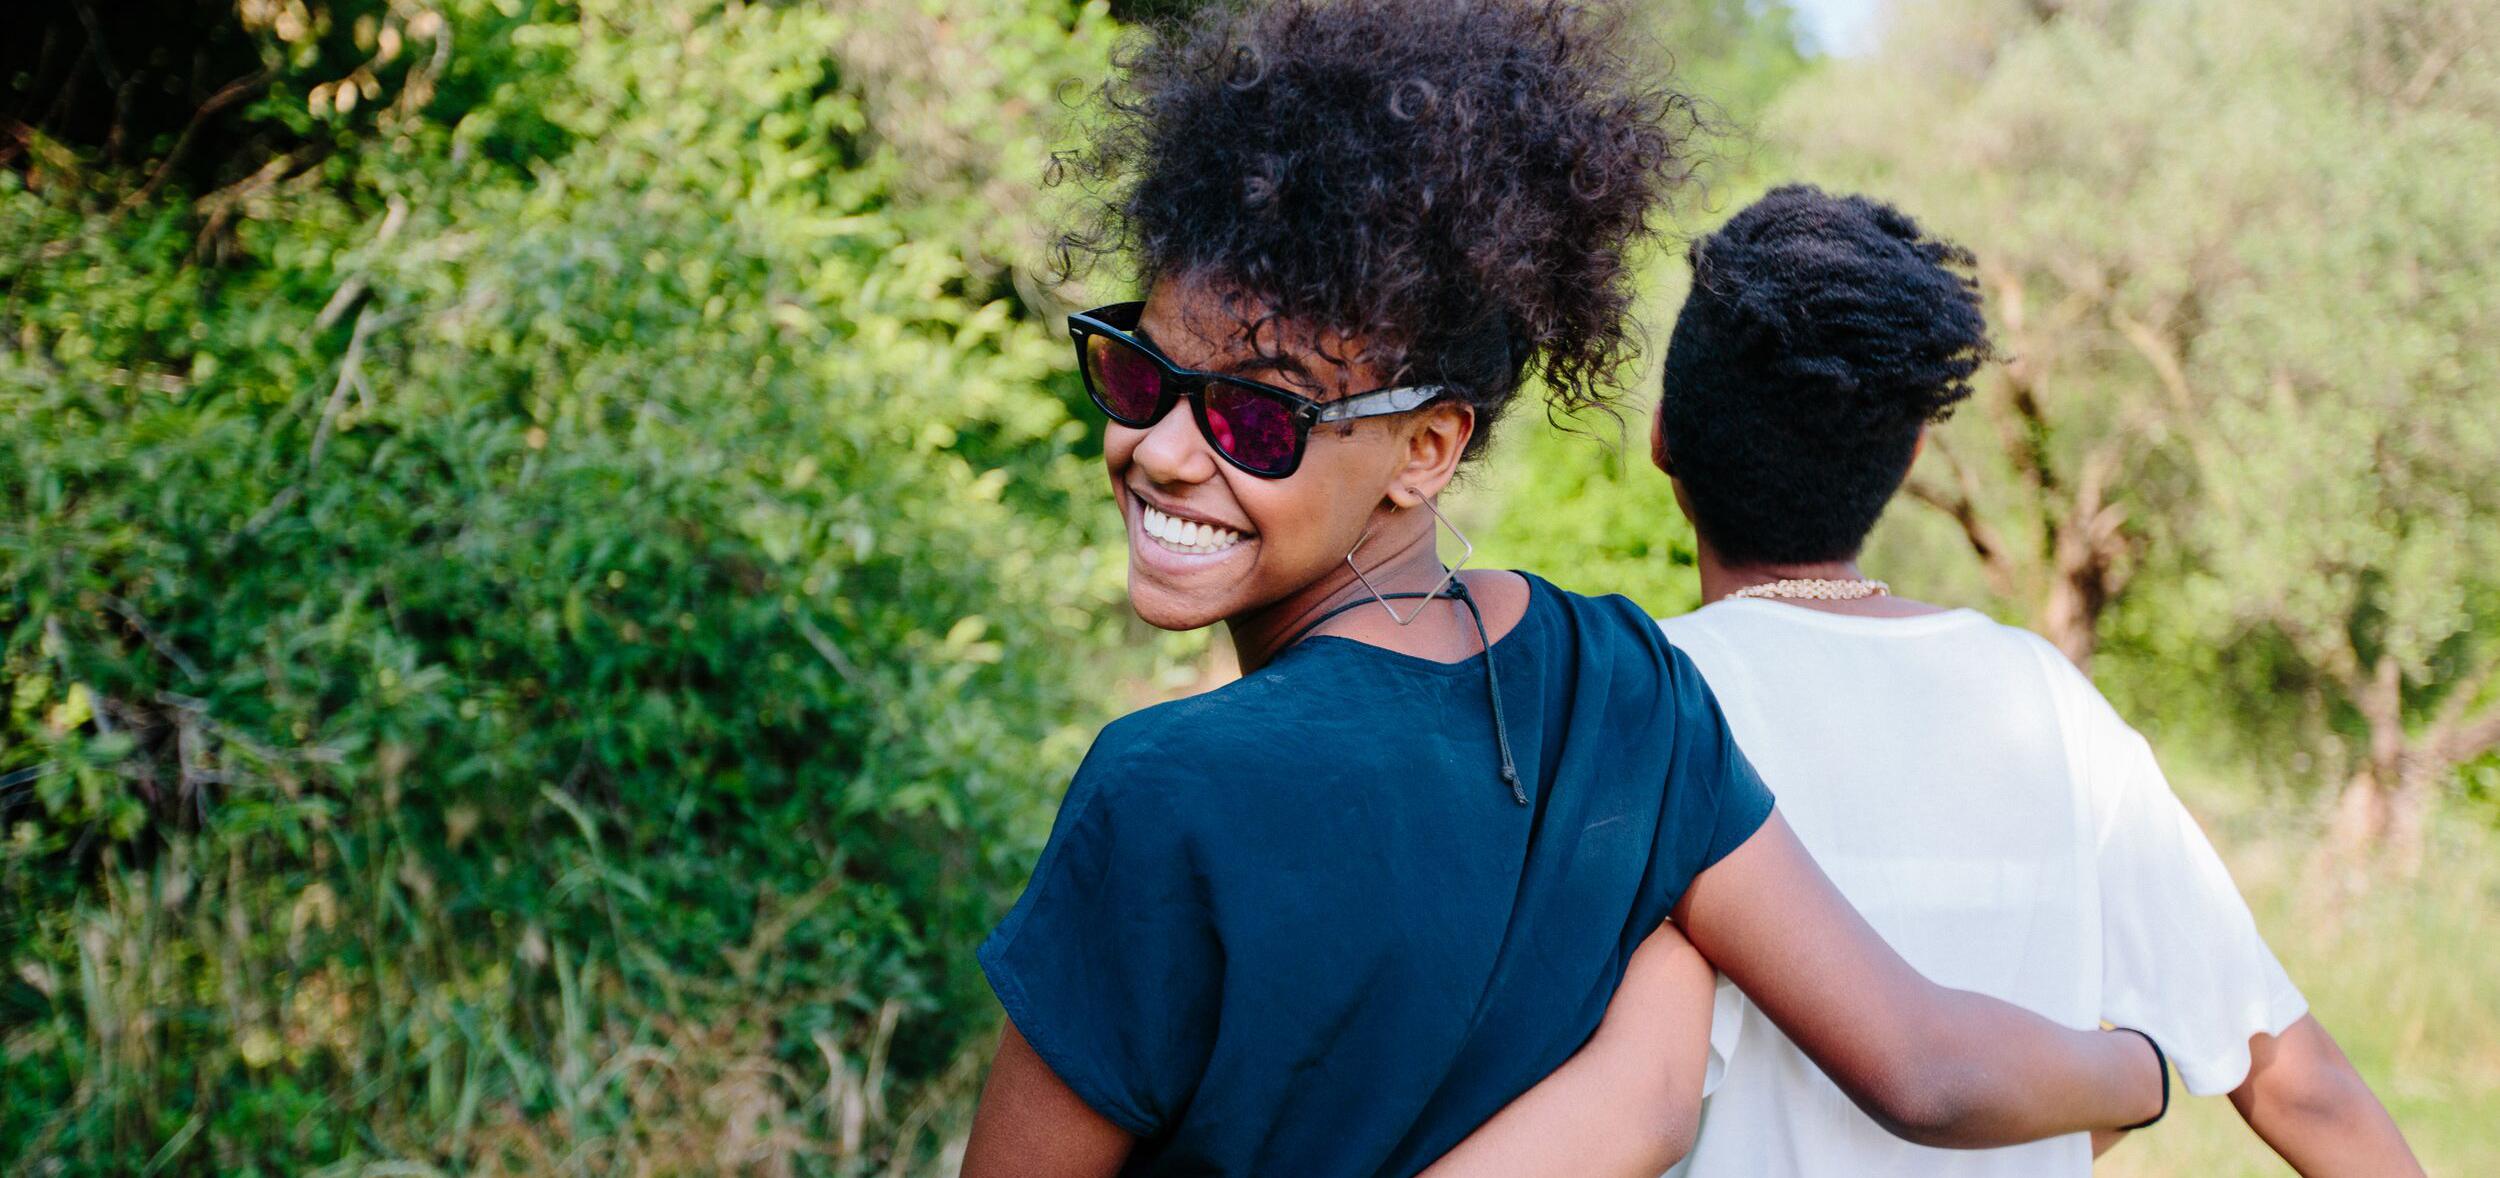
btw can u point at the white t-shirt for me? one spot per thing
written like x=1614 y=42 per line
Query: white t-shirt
x=1993 y=818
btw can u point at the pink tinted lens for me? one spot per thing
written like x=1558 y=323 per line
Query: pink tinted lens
x=1257 y=431
x=1126 y=381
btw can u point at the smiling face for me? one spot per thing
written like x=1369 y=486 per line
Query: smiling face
x=1209 y=542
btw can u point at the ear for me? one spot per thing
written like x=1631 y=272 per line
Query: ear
x=1658 y=455
x=1918 y=447
x=1433 y=448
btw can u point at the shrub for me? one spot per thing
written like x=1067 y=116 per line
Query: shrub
x=547 y=644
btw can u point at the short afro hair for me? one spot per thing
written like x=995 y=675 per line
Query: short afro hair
x=1822 y=333
x=1454 y=182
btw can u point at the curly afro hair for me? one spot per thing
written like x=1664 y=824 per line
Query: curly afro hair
x=1822 y=333
x=1455 y=183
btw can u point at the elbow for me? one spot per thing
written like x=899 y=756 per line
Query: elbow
x=1677 y=1146
x=1676 y=1138
x=1663 y=1140
x=1924 y=1120
x=2309 y=1096
x=1923 y=1105
x=1661 y=1148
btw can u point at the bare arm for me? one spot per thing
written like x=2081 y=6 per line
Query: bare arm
x=1031 y=1125
x=2304 y=1098
x=1935 y=1066
x=1626 y=1103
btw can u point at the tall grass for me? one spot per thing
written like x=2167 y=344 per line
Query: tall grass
x=2401 y=970
x=441 y=1059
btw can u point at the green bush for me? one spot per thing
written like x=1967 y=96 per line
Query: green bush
x=541 y=638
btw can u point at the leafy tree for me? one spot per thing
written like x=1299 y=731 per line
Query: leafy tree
x=2236 y=276
x=2351 y=510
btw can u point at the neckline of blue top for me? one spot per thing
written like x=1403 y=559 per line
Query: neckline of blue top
x=1455 y=590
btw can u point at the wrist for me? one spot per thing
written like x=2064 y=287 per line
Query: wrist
x=2148 y=1052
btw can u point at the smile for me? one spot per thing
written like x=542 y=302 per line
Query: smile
x=1182 y=535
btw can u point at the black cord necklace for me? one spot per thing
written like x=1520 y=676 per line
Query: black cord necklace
x=1456 y=591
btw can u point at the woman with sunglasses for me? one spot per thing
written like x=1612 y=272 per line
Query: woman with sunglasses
x=1332 y=917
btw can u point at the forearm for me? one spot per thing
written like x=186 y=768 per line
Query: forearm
x=1626 y=1102
x=1936 y=1066
x=1987 y=1073
x=2310 y=1106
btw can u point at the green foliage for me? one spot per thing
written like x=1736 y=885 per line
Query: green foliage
x=1621 y=533
x=2234 y=258
x=576 y=607
x=1736 y=55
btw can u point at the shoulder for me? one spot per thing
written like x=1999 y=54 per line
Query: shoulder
x=1707 y=641
x=1608 y=620
x=2107 y=758
x=1178 y=756
x=1700 y=633
x=2085 y=712
x=1169 y=743
x=2054 y=665
x=1613 y=637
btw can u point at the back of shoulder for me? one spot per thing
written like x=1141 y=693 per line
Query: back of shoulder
x=1603 y=612
x=1750 y=647
x=2091 y=726
x=1174 y=740
x=1633 y=650
x=1180 y=754
x=2108 y=759
x=2086 y=713
x=1611 y=626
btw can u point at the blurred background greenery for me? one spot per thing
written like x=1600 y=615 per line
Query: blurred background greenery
x=552 y=567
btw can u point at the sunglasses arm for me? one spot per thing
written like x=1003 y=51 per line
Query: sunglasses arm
x=1379 y=403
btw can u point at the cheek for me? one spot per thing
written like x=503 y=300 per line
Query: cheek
x=1119 y=446
x=1311 y=519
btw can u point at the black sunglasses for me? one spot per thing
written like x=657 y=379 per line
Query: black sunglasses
x=1257 y=427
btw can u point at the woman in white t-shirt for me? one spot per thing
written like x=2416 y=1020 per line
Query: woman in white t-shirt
x=1961 y=782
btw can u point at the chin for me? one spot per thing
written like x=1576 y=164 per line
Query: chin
x=1159 y=607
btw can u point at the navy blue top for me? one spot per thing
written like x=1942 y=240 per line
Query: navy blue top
x=1298 y=925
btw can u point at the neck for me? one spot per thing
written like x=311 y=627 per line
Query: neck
x=1398 y=557
x=1720 y=578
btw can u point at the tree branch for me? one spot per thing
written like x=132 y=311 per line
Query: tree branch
x=218 y=207
x=1962 y=505
x=832 y=654
x=172 y=654
x=349 y=377
x=2433 y=67
x=2017 y=418
x=2473 y=738
x=231 y=93
x=2460 y=734
x=2161 y=355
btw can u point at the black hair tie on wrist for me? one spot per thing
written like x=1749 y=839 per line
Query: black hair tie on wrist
x=2160 y=1061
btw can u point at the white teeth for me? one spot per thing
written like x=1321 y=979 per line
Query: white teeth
x=1185 y=535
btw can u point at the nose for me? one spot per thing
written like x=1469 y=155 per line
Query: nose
x=1173 y=451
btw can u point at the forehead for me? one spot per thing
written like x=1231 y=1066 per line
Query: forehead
x=1210 y=327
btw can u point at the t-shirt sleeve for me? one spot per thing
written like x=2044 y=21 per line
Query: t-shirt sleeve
x=1716 y=800
x=1727 y=1025
x=2181 y=956
x=1109 y=965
